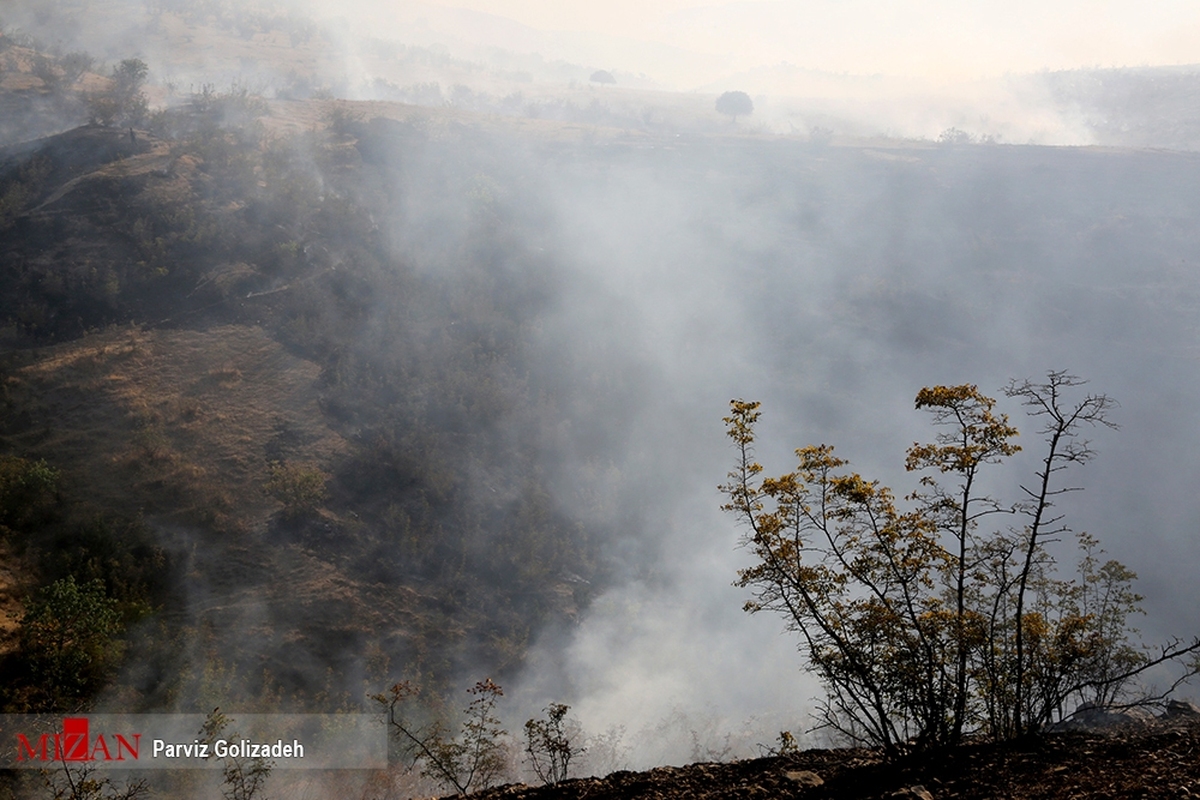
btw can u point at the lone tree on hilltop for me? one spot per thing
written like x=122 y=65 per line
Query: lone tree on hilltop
x=924 y=625
x=735 y=104
x=602 y=76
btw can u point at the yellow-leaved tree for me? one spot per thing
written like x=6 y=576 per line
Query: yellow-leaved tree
x=926 y=624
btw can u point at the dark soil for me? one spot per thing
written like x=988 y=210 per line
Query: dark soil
x=1150 y=760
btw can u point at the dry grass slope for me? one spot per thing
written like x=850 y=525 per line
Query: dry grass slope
x=177 y=425
x=181 y=427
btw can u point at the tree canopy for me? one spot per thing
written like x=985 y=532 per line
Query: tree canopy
x=68 y=635
x=735 y=104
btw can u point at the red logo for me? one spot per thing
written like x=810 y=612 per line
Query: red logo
x=74 y=744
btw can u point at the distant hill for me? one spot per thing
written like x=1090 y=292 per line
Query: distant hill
x=1147 y=107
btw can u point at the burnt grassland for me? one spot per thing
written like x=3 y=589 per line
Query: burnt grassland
x=271 y=430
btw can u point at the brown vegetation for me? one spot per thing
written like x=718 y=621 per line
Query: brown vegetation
x=156 y=421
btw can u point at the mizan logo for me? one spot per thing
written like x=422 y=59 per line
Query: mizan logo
x=75 y=744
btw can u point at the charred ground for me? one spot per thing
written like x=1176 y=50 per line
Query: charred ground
x=1160 y=760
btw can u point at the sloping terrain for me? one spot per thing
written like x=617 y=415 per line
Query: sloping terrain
x=11 y=591
x=173 y=421
x=207 y=332
x=375 y=301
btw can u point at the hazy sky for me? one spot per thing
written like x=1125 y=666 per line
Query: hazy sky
x=943 y=39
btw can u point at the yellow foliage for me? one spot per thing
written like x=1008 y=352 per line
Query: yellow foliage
x=910 y=618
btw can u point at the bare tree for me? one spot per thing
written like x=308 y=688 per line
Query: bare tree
x=1060 y=430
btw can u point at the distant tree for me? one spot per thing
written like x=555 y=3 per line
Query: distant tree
x=735 y=104
x=47 y=72
x=74 y=65
x=129 y=75
x=343 y=121
x=123 y=103
x=954 y=136
x=820 y=136
x=602 y=76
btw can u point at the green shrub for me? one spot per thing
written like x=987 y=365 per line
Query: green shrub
x=28 y=491
x=301 y=488
x=69 y=641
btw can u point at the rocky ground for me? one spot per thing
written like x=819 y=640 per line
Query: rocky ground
x=1153 y=758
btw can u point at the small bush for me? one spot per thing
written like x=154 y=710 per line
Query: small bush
x=474 y=759
x=552 y=743
x=301 y=488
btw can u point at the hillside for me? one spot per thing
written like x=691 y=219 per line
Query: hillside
x=379 y=301
x=187 y=387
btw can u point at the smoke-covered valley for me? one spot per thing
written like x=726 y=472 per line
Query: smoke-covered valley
x=405 y=357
